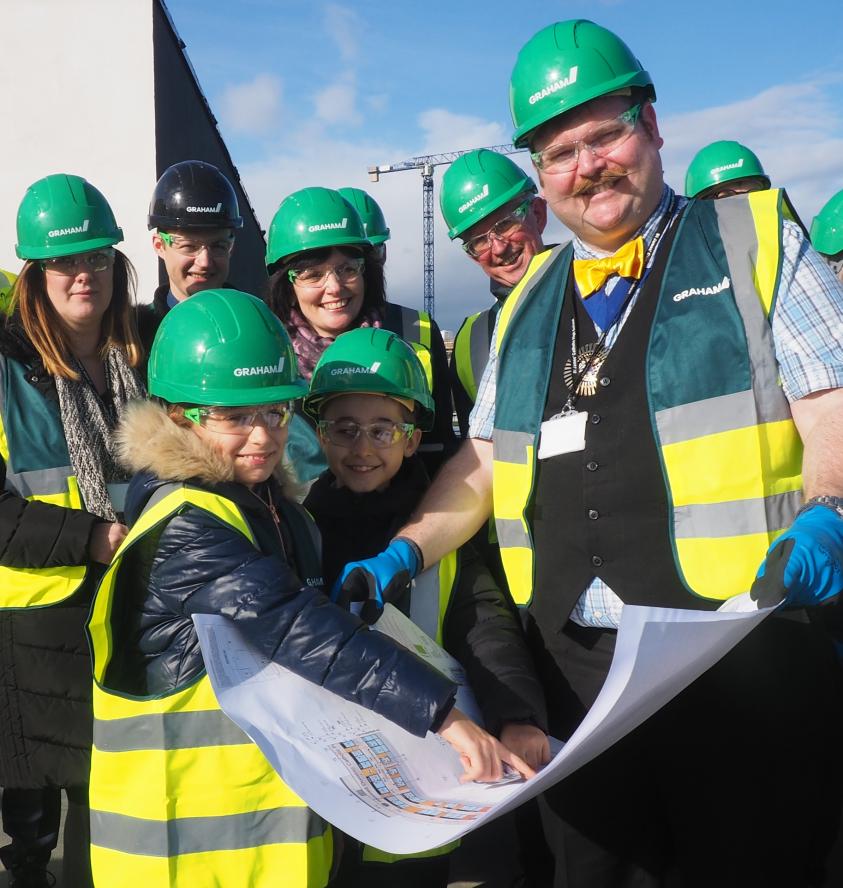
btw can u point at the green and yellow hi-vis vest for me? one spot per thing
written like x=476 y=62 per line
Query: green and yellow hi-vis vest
x=179 y=795
x=731 y=454
x=33 y=446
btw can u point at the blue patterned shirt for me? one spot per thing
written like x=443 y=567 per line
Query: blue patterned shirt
x=807 y=326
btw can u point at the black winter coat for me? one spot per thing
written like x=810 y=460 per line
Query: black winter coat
x=149 y=317
x=45 y=668
x=482 y=628
x=200 y=565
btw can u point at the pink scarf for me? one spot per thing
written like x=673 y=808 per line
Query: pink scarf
x=309 y=345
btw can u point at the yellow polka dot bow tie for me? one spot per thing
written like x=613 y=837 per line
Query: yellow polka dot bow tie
x=628 y=262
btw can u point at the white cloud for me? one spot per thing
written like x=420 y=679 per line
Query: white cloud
x=252 y=107
x=314 y=156
x=795 y=129
x=343 y=26
x=377 y=102
x=337 y=103
x=446 y=131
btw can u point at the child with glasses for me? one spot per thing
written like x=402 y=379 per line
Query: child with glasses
x=371 y=402
x=213 y=530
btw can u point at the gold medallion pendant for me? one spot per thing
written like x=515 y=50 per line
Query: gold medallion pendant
x=592 y=356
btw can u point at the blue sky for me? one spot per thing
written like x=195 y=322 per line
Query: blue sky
x=314 y=93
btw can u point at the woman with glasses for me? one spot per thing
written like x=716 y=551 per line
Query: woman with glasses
x=67 y=355
x=184 y=798
x=325 y=281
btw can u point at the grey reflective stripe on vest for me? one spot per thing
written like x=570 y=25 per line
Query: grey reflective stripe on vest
x=739 y=238
x=512 y=447
x=479 y=342
x=39 y=482
x=194 y=835
x=168 y=730
x=481 y=339
x=724 y=413
x=736 y=518
x=424 y=601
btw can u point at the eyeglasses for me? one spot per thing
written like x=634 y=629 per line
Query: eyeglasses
x=563 y=157
x=98 y=260
x=317 y=277
x=217 y=249
x=479 y=244
x=344 y=433
x=240 y=421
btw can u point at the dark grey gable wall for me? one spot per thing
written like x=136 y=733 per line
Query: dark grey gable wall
x=186 y=129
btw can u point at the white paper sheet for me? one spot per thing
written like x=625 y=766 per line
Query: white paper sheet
x=402 y=793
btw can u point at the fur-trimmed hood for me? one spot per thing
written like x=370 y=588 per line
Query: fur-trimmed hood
x=149 y=441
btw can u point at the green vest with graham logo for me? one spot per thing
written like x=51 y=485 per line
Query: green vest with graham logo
x=729 y=450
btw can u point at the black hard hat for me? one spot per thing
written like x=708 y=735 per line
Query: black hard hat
x=193 y=194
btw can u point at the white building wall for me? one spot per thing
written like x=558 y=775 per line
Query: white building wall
x=78 y=97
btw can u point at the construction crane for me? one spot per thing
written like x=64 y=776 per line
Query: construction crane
x=426 y=164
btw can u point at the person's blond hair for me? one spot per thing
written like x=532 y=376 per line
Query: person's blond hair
x=45 y=330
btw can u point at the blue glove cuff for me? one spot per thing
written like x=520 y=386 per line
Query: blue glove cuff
x=409 y=554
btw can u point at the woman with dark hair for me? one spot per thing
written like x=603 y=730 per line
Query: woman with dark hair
x=324 y=281
x=67 y=355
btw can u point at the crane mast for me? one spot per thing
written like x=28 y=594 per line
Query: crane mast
x=426 y=164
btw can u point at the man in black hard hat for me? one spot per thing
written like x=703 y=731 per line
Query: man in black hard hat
x=194 y=213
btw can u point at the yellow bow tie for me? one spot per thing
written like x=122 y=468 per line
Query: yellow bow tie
x=628 y=262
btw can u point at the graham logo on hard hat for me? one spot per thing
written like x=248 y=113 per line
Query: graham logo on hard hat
x=223 y=348
x=727 y=166
x=312 y=219
x=262 y=370
x=328 y=226
x=470 y=203
x=720 y=162
x=555 y=86
x=713 y=290
x=215 y=209
x=76 y=229
x=344 y=371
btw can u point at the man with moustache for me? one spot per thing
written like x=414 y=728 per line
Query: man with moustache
x=490 y=203
x=639 y=430
x=195 y=214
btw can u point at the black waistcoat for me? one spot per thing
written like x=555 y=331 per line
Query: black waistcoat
x=603 y=511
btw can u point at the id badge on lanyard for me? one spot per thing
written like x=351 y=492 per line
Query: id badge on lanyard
x=563 y=433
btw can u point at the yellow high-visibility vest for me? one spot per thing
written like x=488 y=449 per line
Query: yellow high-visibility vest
x=179 y=795
x=731 y=460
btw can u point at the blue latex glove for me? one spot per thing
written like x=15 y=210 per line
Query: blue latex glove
x=377 y=580
x=804 y=566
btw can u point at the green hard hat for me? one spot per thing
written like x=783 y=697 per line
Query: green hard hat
x=371 y=360
x=476 y=184
x=223 y=348
x=62 y=215
x=374 y=223
x=311 y=219
x=722 y=162
x=566 y=65
x=827 y=227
